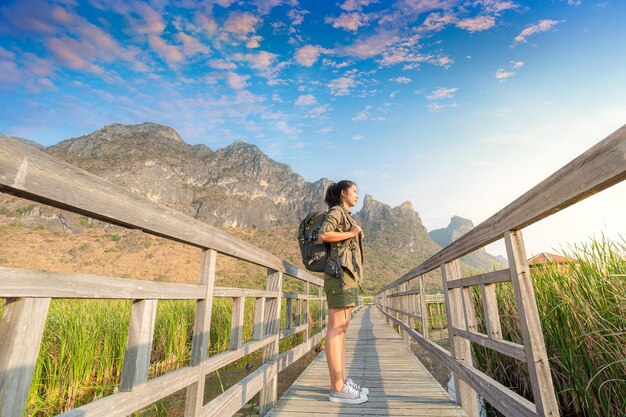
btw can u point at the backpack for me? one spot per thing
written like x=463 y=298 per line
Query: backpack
x=314 y=255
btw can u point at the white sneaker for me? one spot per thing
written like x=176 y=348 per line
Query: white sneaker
x=356 y=386
x=347 y=395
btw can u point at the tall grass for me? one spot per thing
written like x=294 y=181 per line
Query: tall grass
x=582 y=307
x=83 y=346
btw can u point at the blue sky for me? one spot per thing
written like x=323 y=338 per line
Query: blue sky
x=458 y=106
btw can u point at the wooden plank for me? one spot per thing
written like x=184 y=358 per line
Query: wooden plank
x=503 y=275
x=121 y=404
x=597 y=169
x=289 y=313
x=293 y=330
x=269 y=393
x=460 y=348
x=29 y=173
x=227 y=292
x=306 y=310
x=30 y=283
x=490 y=311
x=292 y=355
x=530 y=326
x=138 y=345
x=194 y=399
x=259 y=315
x=226 y=358
x=503 y=346
x=21 y=327
x=236 y=323
x=423 y=311
x=406 y=292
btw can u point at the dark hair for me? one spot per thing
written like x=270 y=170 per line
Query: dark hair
x=333 y=192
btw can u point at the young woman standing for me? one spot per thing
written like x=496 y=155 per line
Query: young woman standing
x=343 y=272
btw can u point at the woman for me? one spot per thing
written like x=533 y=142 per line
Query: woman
x=343 y=272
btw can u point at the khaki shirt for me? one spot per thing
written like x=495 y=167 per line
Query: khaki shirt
x=348 y=251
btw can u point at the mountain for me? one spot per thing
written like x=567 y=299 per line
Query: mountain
x=478 y=259
x=237 y=186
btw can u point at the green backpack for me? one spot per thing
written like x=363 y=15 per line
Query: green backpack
x=314 y=254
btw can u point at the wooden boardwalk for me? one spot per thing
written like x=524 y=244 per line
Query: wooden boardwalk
x=376 y=355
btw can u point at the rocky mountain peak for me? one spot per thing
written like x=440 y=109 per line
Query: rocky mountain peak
x=374 y=210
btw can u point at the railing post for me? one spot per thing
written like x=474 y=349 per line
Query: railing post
x=530 y=326
x=306 y=311
x=405 y=307
x=201 y=330
x=138 y=344
x=21 y=327
x=269 y=394
x=320 y=312
x=236 y=322
x=490 y=311
x=259 y=317
x=423 y=307
x=460 y=348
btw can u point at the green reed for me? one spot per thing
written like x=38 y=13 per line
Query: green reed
x=582 y=308
x=83 y=346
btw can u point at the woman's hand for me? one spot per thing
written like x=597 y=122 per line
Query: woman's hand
x=356 y=230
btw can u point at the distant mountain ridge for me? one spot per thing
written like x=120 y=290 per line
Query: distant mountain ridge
x=457 y=227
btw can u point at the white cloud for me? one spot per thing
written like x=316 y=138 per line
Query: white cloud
x=297 y=16
x=308 y=54
x=221 y=64
x=317 y=112
x=401 y=80
x=358 y=137
x=276 y=98
x=574 y=2
x=341 y=86
x=241 y=24
x=477 y=24
x=442 y=93
x=284 y=127
x=306 y=100
x=169 y=53
x=348 y=21
x=254 y=42
x=502 y=74
x=371 y=46
x=436 y=21
x=325 y=130
x=541 y=26
x=236 y=81
x=191 y=45
x=365 y=115
x=517 y=64
x=350 y=5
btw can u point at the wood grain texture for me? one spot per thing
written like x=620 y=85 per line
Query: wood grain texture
x=21 y=330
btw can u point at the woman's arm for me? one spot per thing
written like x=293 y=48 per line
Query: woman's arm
x=339 y=236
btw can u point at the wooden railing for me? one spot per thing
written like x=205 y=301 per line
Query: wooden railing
x=598 y=168
x=28 y=173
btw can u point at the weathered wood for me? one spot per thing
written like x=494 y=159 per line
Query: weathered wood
x=194 y=399
x=259 y=316
x=138 y=344
x=236 y=322
x=225 y=292
x=121 y=404
x=597 y=169
x=503 y=275
x=226 y=358
x=405 y=292
x=29 y=173
x=21 y=327
x=459 y=348
x=530 y=326
x=306 y=310
x=503 y=346
x=423 y=312
x=289 y=313
x=17 y=282
x=269 y=393
x=293 y=330
x=490 y=311
x=405 y=306
x=292 y=355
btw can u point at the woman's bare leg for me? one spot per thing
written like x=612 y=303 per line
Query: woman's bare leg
x=344 y=376
x=335 y=348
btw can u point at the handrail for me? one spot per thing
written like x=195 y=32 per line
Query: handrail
x=597 y=169
x=29 y=173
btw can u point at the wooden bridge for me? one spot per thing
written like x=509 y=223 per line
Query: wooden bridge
x=398 y=381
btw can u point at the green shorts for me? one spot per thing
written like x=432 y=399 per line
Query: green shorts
x=339 y=296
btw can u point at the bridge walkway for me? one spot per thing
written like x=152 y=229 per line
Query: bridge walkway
x=376 y=355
